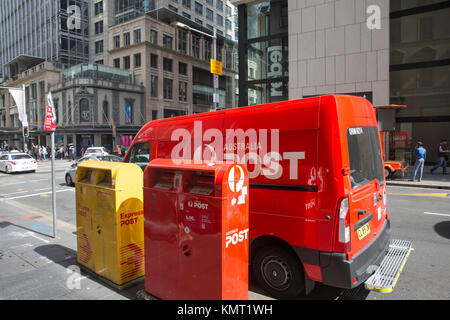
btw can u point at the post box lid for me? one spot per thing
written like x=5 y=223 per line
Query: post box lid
x=123 y=175
x=188 y=164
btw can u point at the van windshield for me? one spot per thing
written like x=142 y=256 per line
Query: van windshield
x=366 y=163
x=139 y=154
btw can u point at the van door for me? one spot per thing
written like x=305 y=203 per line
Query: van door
x=366 y=205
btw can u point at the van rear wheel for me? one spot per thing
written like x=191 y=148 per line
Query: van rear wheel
x=278 y=272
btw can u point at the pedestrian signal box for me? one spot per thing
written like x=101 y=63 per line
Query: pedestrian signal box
x=196 y=230
x=110 y=231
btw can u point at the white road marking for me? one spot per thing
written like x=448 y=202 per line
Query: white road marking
x=38 y=194
x=29 y=233
x=11 y=194
x=437 y=214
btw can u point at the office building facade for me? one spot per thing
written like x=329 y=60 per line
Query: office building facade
x=391 y=52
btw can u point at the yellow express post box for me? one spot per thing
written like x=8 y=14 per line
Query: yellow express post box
x=110 y=230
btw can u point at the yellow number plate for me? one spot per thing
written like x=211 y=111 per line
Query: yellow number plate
x=363 y=231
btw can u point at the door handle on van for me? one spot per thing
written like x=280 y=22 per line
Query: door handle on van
x=361 y=213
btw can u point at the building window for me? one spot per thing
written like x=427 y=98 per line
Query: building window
x=117 y=42
x=167 y=64
x=126 y=39
x=182 y=91
x=200 y=22
x=182 y=68
x=172 y=8
x=182 y=41
x=98 y=27
x=227 y=25
x=153 y=60
x=207 y=49
x=85 y=112
x=219 y=20
x=154 y=86
x=187 y=3
x=196 y=46
x=126 y=62
x=186 y=15
x=198 y=8
x=128 y=113
x=137 y=60
x=229 y=11
x=168 y=88
x=99 y=62
x=210 y=2
x=219 y=5
x=154 y=36
x=98 y=47
x=116 y=63
x=98 y=8
x=209 y=14
x=264 y=71
x=105 y=112
x=167 y=41
x=137 y=36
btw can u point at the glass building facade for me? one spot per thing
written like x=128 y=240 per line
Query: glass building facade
x=420 y=74
x=43 y=29
x=263 y=52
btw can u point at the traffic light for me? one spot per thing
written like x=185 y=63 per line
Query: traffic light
x=25 y=132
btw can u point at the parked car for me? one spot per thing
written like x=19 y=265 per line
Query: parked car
x=17 y=162
x=96 y=151
x=70 y=173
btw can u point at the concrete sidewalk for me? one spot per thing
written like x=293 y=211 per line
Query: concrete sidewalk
x=34 y=266
x=436 y=180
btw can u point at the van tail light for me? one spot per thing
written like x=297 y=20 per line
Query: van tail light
x=343 y=227
x=13 y=163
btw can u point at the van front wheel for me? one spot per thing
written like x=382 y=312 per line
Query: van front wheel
x=278 y=272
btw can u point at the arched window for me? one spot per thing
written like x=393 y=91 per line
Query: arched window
x=85 y=112
x=105 y=112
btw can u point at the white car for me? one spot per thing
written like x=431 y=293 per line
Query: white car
x=17 y=162
x=96 y=151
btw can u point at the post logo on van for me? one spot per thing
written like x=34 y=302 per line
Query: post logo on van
x=258 y=148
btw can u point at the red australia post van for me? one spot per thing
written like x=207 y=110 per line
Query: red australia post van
x=317 y=187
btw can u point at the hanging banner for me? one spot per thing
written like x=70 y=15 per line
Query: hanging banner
x=50 y=115
x=18 y=96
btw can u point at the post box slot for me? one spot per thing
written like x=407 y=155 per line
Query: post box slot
x=85 y=175
x=103 y=178
x=164 y=180
x=202 y=183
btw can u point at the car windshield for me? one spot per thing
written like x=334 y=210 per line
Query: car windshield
x=93 y=151
x=21 y=157
x=366 y=163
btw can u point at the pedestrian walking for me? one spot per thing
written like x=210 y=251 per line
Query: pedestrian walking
x=442 y=157
x=421 y=154
x=72 y=152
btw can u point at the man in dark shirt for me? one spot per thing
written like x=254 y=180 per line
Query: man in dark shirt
x=442 y=157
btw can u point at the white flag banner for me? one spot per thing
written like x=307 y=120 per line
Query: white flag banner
x=18 y=97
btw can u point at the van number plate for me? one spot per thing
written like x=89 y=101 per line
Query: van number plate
x=363 y=231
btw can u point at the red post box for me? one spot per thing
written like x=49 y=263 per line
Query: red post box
x=196 y=230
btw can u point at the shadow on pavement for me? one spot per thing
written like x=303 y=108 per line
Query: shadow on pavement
x=443 y=229
x=67 y=258
x=6 y=224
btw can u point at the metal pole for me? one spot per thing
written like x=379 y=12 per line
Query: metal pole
x=215 y=58
x=53 y=185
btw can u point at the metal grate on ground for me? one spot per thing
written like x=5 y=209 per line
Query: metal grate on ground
x=387 y=274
